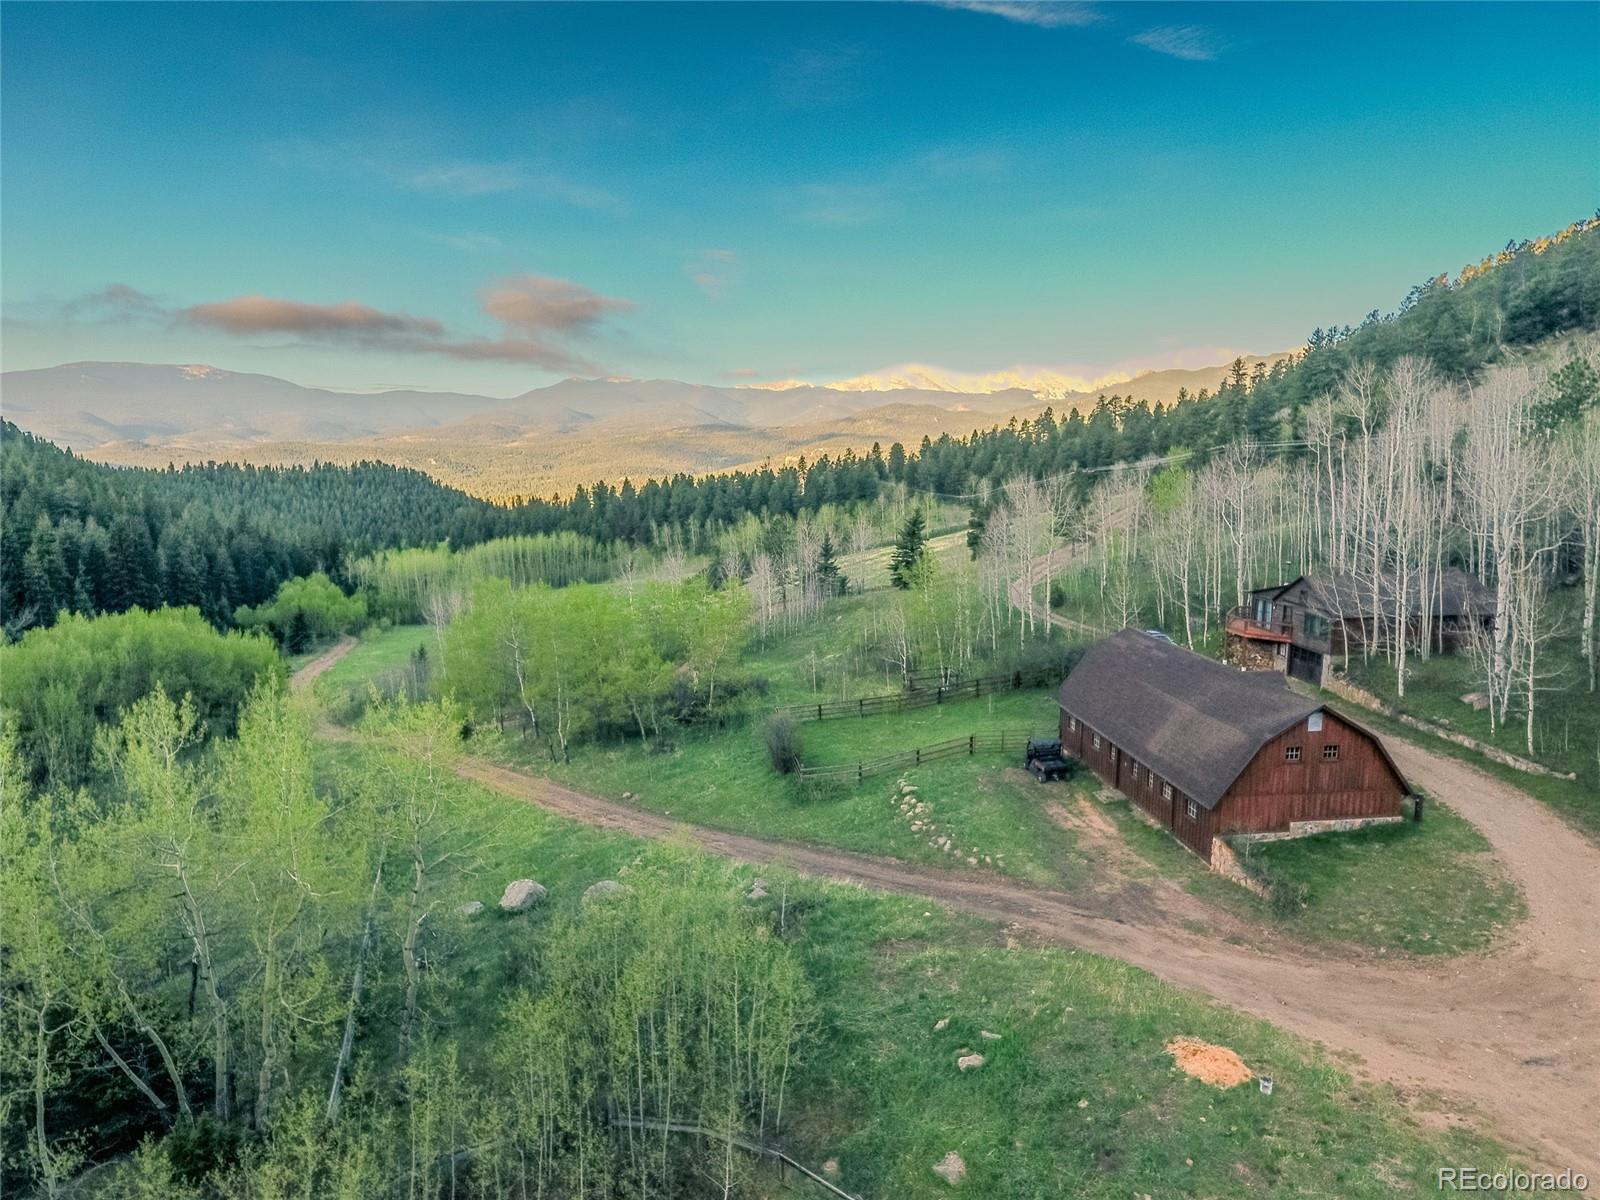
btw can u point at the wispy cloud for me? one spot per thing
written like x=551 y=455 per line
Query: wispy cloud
x=539 y=305
x=839 y=204
x=114 y=304
x=253 y=315
x=818 y=75
x=1191 y=43
x=468 y=242
x=715 y=272
x=469 y=178
x=542 y=320
x=419 y=168
x=1047 y=14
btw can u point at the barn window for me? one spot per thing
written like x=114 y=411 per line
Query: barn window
x=1291 y=754
x=1329 y=753
x=1314 y=722
x=1192 y=810
x=1113 y=754
x=1072 y=724
x=1166 y=791
x=1097 y=741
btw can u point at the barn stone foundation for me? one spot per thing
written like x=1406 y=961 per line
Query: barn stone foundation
x=1226 y=863
x=1300 y=829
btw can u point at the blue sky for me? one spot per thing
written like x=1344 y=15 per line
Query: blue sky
x=486 y=198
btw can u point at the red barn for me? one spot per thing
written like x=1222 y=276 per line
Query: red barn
x=1208 y=750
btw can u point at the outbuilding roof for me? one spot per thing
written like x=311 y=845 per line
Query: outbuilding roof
x=1197 y=722
x=1455 y=594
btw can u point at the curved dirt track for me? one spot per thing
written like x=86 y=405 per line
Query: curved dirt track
x=1514 y=1035
x=306 y=675
x=1020 y=592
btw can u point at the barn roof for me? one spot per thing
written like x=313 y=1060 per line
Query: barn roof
x=1343 y=595
x=1197 y=722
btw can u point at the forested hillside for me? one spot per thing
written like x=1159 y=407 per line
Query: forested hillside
x=87 y=538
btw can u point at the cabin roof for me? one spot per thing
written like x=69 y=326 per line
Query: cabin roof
x=1343 y=595
x=1197 y=722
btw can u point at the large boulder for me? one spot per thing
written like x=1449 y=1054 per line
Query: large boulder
x=521 y=895
x=605 y=889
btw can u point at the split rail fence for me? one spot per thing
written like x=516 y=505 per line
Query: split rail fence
x=921 y=696
x=973 y=743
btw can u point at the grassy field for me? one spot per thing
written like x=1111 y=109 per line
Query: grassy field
x=1430 y=889
x=871 y=568
x=1077 y=1097
x=378 y=653
x=724 y=779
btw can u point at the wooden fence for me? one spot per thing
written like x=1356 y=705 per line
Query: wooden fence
x=973 y=743
x=924 y=696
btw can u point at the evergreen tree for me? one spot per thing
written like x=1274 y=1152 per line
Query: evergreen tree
x=832 y=581
x=909 y=547
x=297 y=639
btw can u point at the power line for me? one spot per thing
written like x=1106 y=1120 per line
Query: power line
x=1270 y=449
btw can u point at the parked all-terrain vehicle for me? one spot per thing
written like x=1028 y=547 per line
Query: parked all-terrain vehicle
x=1045 y=760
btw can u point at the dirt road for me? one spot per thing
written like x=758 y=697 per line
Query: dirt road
x=1513 y=1035
x=1020 y=591
x=304 y=677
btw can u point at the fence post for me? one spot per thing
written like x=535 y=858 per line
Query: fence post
x=972 y=744
x=940 y=700
x=861 y=707
x=858 y=773
x=918 y=753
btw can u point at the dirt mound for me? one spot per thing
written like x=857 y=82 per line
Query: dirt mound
x=1216 y=1065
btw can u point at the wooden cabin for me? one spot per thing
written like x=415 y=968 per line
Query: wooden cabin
x=1296 y=628
x=1208 y=750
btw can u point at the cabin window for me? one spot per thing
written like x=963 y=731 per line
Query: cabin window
x=1291 y=754
x=1263 y=612
x=1192 y=810
x=1329 y=753
x=1314 y=722
x=1166 y=791
x=1097 y=741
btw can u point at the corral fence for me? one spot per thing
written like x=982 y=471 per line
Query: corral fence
x=974 y=743
x=923 y=695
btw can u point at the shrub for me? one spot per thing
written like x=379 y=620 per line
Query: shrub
x=1288 y=898
x=781 y=736
x=821 y=791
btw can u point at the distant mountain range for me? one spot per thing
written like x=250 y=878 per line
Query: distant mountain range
x=543 y=440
